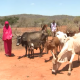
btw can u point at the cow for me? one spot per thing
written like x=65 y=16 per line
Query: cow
x=77 y=34
x=37 y=38
x=61 y=36
x=59 y=40
x=70 y=48
x=52 y=44
x=44 y=27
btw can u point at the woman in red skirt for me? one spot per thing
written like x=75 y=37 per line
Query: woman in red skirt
x=7 y=38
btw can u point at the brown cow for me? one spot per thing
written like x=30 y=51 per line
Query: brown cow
x=52 y=44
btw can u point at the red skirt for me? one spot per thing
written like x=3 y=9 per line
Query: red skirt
x=8 y=47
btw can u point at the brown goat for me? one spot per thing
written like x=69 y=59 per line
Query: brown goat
x=52 y=44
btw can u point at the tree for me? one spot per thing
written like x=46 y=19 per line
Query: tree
x=11 y=20
x=42 y=21
x=35 y=23
x=58 y=23
x=77 y=19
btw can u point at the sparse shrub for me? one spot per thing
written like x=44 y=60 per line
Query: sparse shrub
x=49 y=32
x=72 y=28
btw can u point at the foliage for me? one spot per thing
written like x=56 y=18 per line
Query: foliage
x=58 y=23
x=77 y=19
x=36 y=23
x=49 y=32
x=72 y=28
x=42 y=20
x=12 y=20
x=28 y=20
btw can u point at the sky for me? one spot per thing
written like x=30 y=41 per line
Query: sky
x=40 y=7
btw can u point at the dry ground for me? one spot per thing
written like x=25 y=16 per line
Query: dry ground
x=39 y=68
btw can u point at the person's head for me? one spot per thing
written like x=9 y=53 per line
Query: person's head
x=6 y=24
x=53 y=21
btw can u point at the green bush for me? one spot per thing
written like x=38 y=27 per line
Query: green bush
x=12 y=20
x=49 y=32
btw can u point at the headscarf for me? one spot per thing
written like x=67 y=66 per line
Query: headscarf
x=7 y=32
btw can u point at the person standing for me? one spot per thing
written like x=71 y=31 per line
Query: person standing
x=7 y=38
x=53 y=27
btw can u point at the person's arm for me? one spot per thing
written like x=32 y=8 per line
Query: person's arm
x=3 y=34
x=50 y=26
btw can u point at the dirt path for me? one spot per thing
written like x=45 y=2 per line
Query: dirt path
x=12 y=68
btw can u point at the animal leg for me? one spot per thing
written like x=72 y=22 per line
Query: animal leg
x=69 y=69
x=78 y=56
x=41 y=50
x=26 y=51
x=55 y=51
x=32 y=53
x=46 y=50
x=29 y=52
x=70 y=64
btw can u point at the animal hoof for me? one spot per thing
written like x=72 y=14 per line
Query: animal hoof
x=69 y=74
x=19 y=57
x=27 y=56
x=24 y=55
x=53 y=72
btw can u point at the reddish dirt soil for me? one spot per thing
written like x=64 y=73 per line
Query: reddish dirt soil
x=39 y=68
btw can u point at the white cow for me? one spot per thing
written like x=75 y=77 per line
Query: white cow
x=77 y=34
x=62 y=37
x=70 y=48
